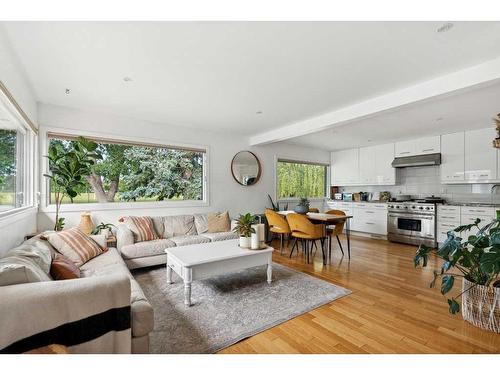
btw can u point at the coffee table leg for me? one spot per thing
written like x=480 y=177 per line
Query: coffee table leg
x=269 y=273
x=187 y=287
x=187 y=293
x=169 y=275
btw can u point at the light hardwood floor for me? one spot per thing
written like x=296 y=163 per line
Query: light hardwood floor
x=391 y=309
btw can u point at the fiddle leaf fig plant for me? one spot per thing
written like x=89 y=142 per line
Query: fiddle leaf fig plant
x=67 y=169
x=475 y=257
x=244 y=225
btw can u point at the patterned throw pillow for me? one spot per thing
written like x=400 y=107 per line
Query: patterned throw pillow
x=142 y=227
x=63 y=269
x=219 y=222
x=75 y=245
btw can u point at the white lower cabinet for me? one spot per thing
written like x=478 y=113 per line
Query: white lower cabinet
x=367 y=217
x=450 y=217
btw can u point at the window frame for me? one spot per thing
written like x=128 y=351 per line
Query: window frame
x=291 y=159
x=45 y=205
x=28 y=163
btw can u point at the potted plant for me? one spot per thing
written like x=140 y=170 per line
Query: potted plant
x=303 y=206
x=67 y=168
x=476 y=260
x=244 y=229
x=103 y=229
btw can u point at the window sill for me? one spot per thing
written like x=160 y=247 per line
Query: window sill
x=16 y=214
x=79 y=207
x=298 y=199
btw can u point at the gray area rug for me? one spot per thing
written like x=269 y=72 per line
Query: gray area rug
x=228 y=308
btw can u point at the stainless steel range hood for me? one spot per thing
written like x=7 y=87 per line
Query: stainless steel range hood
x=417 y=161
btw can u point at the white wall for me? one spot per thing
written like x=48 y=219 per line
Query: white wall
x=14 y=228
x=225 y=193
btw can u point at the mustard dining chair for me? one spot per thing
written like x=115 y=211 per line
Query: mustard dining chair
x=314 y=210
x=305 y=231
x=335 y=230
x=277 y=224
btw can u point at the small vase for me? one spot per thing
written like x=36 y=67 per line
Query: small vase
x=245 y=242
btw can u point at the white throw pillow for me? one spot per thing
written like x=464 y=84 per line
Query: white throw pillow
x=19 y=270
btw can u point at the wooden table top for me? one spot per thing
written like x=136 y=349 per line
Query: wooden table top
x=319 y=216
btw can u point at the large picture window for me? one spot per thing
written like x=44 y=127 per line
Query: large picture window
x=296 y=179
x=128 y=172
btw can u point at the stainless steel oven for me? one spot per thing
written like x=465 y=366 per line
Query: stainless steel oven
x=412 y=223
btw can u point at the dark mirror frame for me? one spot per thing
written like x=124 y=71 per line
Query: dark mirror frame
x=258 y=165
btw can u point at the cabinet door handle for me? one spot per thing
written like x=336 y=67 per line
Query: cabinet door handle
x=428 y=149
x=483 y=175
x=370 y=212
x=404 y=152
x=449 y=217
x=370 y=223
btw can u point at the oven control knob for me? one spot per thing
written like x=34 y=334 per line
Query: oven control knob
x=413 y=207
x=397 y=206
x=420 y=208
x=426 y=208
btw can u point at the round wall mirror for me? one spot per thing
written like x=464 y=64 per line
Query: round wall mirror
x=245 y=168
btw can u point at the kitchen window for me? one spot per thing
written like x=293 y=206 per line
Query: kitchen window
x=296 y=179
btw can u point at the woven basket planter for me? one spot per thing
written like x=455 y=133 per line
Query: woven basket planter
x=481 y=306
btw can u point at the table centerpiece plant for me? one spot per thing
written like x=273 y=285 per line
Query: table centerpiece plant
x=475 y=258
x=303 y=206
x=244 y=229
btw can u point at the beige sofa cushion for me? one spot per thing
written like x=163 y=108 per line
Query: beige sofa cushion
x=146 y=249
x=201 y=223
x=19 y=270
x=219 y=222
x=39 y=251
x=178 y=225
x=221 y=236
x=189 y=240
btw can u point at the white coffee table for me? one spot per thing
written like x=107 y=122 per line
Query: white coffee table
x=196 y=262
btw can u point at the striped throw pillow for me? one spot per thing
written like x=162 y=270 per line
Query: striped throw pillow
x=75 y=245
x=142 y=227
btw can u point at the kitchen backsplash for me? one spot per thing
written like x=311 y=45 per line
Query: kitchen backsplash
x=422 y=182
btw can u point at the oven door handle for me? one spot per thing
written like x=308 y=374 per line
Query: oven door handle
x=409 y=217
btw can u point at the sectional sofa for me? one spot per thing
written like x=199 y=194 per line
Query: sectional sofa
x=179 y=230
x=104 y=311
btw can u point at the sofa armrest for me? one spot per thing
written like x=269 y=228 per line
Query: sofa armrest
x=124 y=236
x=87 y=315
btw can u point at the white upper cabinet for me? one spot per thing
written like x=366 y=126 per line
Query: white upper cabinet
x=385 y=174
x=452 y=157
x=364 y=166
x=345 y=167
x=421 y=146
x=367 y=172
x=406 y=148
x=480 y=155
x=428 y=145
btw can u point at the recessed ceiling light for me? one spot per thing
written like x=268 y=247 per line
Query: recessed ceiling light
x=445 y=27
x=127 y=79
x=258 y=112
x=68 y=91
x=369 y=140
x=439 y=119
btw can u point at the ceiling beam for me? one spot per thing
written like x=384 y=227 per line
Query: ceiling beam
x=468 y=78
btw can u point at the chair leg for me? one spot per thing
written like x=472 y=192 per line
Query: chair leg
x=293 y=246
x=281 y=243
x=330 y=248
x=323 y=250
x=340 y=244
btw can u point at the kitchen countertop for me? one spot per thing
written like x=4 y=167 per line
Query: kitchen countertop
x=474 y=204
x=338 y=200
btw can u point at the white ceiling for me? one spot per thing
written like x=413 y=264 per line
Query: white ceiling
x=217 y=75
x=472 y=109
